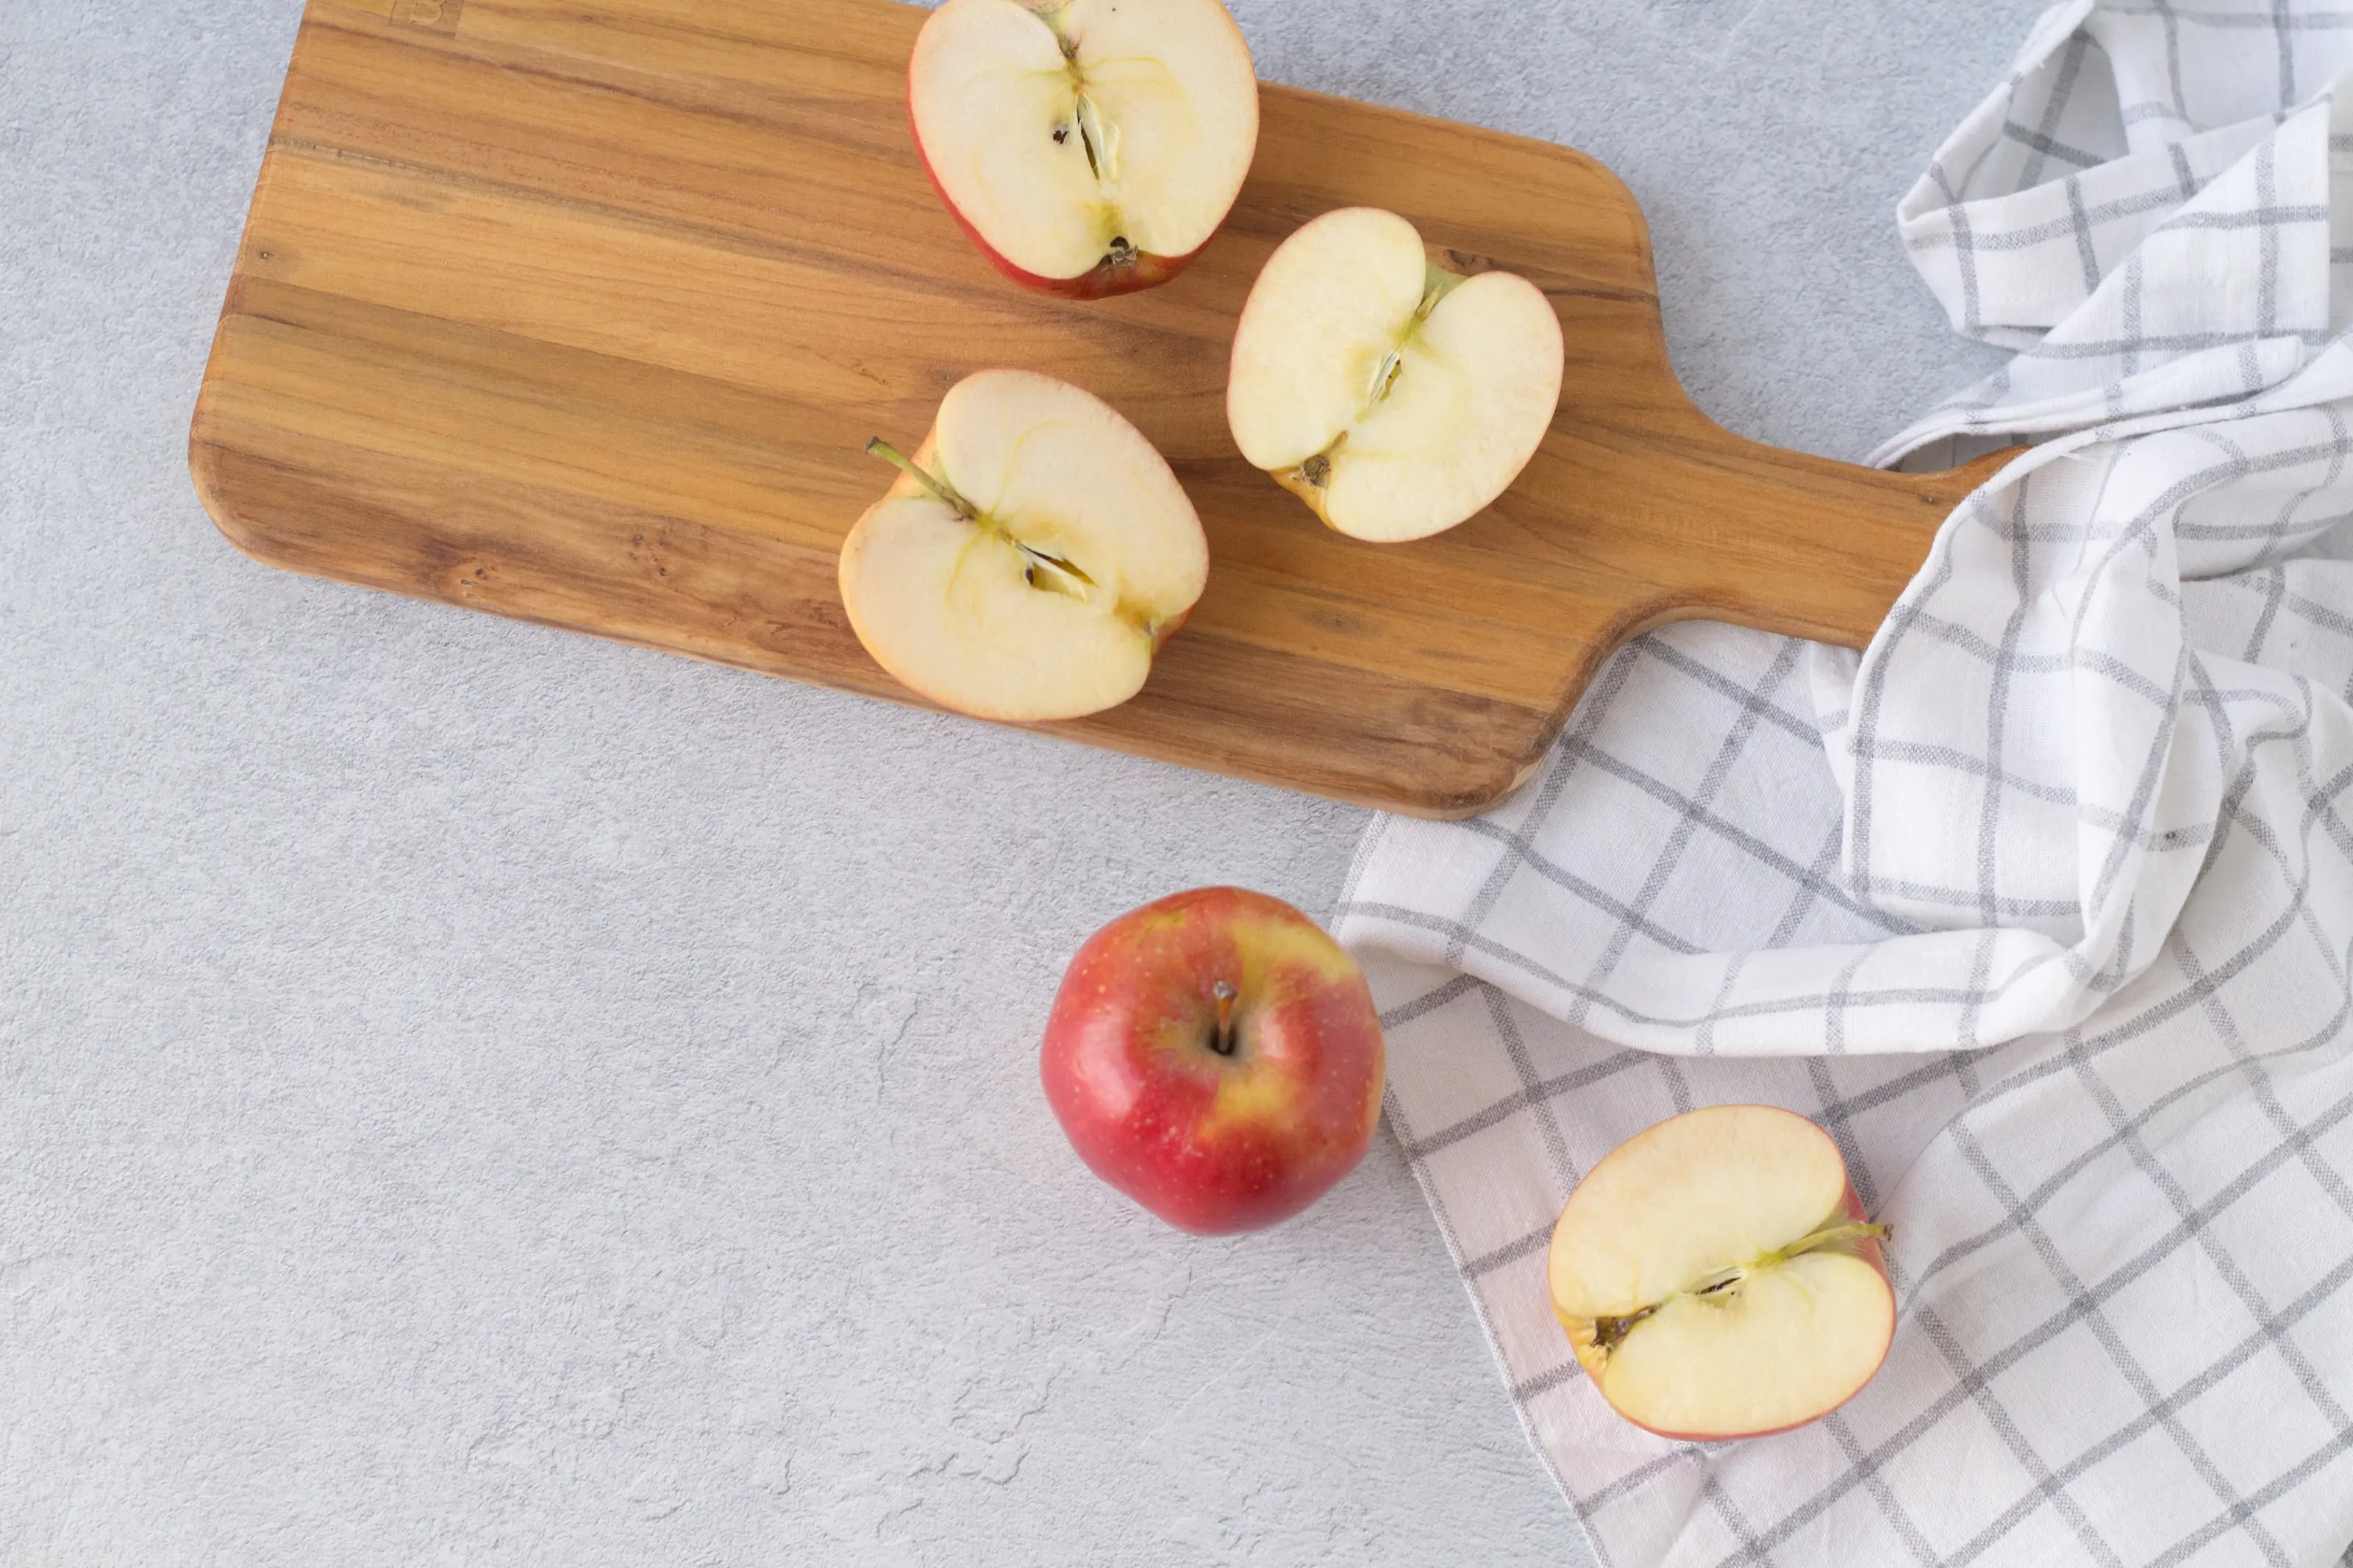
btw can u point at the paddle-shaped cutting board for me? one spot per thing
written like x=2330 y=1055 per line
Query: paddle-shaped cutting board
x=583 y=314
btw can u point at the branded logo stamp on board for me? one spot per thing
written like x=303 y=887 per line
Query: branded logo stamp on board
x=433 y=16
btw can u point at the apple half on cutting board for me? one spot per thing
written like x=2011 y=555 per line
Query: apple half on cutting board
x=1395 y=397
x=1716 y=1277
x=1088 y=147
x=1032 y=558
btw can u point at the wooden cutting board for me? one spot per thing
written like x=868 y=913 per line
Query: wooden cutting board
x=583 y=315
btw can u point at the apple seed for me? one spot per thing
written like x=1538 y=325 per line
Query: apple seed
x=1062 y=576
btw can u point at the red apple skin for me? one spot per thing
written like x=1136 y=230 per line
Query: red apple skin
x=1102 y=282
x=1215 y=1143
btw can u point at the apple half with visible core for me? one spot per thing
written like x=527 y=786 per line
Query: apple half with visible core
x=1397 y=398
x=1217 y=1057
x=1032 y=556
x=1716 y=1276
x=1088 y=147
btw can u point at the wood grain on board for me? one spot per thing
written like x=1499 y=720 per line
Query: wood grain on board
x=583 y=316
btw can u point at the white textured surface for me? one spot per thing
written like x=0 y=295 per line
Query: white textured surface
x=470 y=1094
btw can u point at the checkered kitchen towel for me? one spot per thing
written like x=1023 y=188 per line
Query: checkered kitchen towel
x=2043 y=906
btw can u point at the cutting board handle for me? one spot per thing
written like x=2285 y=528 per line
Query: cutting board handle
x=1840 y=578
x=1719 y=527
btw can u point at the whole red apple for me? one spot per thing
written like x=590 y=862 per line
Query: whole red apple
x=1217 y=1057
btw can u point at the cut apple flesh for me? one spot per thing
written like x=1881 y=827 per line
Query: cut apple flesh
x=1032 y=560
x=1716 y=1277
x=1394 y=397
x=1092 y=139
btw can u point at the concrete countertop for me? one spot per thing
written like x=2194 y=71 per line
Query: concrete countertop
x=476 y=1095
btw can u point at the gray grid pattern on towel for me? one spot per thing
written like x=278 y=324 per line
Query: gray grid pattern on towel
x=2044 y=907
x=2002 y=1289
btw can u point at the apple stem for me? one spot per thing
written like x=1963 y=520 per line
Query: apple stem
x=1437 y=283
x=1831 y=1235
x=941 y=488
x=1223 y=1042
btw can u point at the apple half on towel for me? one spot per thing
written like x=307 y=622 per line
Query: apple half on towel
x=1717 y=1278
x=1397 y=398
x=1088 y=147
x=1032 y=556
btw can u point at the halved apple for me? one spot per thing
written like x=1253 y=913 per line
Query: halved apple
x=1032 y=556
x=1394 y=396
x=1716 y=1277
x=1088 y=147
